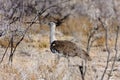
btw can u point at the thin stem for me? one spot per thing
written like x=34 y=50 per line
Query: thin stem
x=81 y=71
x=108 y=56
x=107 y=48
x=116 y=52
x=5 y=53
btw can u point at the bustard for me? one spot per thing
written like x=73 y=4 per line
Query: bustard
x=64 y=47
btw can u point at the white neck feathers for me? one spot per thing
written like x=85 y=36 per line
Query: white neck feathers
x=52 y=32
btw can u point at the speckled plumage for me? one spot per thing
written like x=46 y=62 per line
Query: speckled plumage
x=68 y=48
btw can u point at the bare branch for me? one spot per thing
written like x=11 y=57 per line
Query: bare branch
x=11 y=45
x=5 y=53
x=89 y=43
x=116 y=52
x=116 y=41
x=82 y=72
x=106 y=45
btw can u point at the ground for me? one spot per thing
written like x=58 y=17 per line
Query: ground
x=34 y=62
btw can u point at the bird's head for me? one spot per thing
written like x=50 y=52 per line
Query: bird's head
x=51 y=24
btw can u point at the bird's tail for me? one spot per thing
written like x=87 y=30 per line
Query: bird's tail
x=84 y=55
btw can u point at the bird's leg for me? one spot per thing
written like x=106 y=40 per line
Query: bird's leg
x=57 y=58
x=85 y=67
x=68 y=60
x=81 y=71
x=69 y=70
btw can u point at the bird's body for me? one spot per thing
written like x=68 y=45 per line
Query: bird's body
x=67 y=48
x=64 y=47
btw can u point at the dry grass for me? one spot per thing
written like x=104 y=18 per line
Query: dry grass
x=34 y=61
x=38 y=41
x=42 y=65
x=4 y=42
x=79 y=25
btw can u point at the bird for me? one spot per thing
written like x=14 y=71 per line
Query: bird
x=64 y=47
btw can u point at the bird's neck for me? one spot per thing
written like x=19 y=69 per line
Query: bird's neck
x=52 y=33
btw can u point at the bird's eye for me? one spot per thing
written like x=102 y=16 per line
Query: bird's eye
x=53 y=45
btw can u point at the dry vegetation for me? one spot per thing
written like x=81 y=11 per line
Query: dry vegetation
x=33 y=59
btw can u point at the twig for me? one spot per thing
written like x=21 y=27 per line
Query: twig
x=89 y=44
x=116 y=52
x=89 y=40
x=11 y=45
x=5 y=53
x=106 y=45
x=81 y=71
x=116 y=41
x=85 y=68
